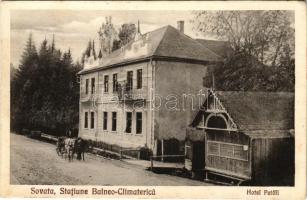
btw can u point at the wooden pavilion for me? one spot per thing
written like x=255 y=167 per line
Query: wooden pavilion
x=243 y=137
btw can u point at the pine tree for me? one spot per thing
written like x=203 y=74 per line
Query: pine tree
x=45 y=91
x=100 y=54
x=94 y=51
x=52 y=44
x=23 y=85
x=87 y=52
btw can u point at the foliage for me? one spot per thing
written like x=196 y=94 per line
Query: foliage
x=262 y=34
x=107 y=34
x=126 y=34
x=242 y=72
x=110 y=39
x=90 y=50
x=256 y=37
x=45 y=91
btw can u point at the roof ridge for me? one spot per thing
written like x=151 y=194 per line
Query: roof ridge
x=163 y=38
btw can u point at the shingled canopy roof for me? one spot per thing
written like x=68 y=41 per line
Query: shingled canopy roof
x=254 y=112
x=165 y=42
x=259 y=110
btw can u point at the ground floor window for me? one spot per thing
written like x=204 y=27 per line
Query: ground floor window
x=128 y=122
x=138 y=122
x=86 y=120
x=114 y=121
x=105 y=120
x=92 y=119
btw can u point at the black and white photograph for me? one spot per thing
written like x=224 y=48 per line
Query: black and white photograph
x=146 y=98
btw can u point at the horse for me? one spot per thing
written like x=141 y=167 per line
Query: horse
x=80 y=147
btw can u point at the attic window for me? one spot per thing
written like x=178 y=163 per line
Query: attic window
x=216 y=122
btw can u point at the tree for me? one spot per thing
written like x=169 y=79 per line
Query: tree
x=126 y=34
x=259 y=33
x=22 y=85
x=94 y=51
x=107 y=34
x=45 y=91
x=263 y=44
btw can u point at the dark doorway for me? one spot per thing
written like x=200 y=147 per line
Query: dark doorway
x=198 y=158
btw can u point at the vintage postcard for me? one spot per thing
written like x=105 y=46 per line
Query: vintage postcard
x=153 y=100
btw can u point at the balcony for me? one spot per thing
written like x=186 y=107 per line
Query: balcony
x=127 y=93
x=124 y=92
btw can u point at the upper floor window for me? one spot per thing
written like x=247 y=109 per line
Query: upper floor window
x=86 y=120
x=105 y=120
x=86 y=85
x=139 y=79
x=138 y=122
x=92 y=119
x=129 y=80
x=115 y=84
x=106 y=83
x=128 y=122
x=114 y=121
x=93 y=85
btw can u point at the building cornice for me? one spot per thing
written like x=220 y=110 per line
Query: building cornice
x=156 y=58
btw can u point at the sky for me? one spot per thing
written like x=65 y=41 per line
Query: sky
x=73 y=29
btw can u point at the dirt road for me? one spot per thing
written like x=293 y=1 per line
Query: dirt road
x=35 y=162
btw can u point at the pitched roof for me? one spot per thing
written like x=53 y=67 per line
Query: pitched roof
x=163 y=42
x=176 y=44
x=270 y=133
x=259 y=110
x=221 y=48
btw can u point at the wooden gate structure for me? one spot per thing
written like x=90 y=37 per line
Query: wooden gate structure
x=243 y=137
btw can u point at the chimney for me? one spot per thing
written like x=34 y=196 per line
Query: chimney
x=180 y=26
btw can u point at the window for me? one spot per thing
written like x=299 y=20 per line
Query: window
x=139 y=79
x=106 y=83
x=114 y=121
x=227 y=150
x=86 y=86
x=115 y=84
x=86 y=120
x=138 y=122
x=128 y=122
x=129 y=80
x=93 y=85
x=105 y=120
x=92 y=119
